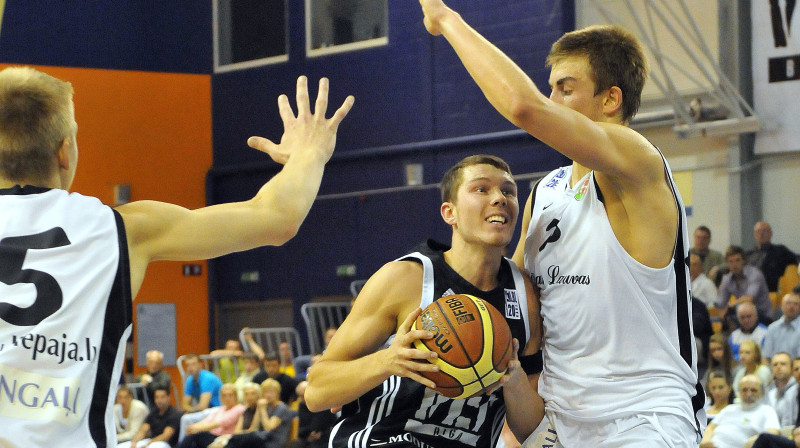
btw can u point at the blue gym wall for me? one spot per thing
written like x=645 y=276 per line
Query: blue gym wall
x=414 y=104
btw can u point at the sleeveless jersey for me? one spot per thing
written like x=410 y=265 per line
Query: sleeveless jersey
x=65 y=316
x=618 y=335
x=403 y=413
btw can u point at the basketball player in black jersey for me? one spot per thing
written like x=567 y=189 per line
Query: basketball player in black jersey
x=393 y=408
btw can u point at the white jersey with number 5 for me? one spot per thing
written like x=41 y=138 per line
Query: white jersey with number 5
x=617 y=334
x=65 y=316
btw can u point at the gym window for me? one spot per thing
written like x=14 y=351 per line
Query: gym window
x=334 y=26
x=249 y=33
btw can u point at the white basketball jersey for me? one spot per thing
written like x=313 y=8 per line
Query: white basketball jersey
x=65 y=316
x=617 y=334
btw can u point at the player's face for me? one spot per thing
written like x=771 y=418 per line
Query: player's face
x=720 y=389
x=486 y=206
x=572 y=85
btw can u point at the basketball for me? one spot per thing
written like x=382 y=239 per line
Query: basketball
x=472 y=341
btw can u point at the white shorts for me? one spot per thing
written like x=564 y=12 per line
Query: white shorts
x=636 y=431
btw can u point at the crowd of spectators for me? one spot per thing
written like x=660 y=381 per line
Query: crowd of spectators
x=750 y=364
x=239 y=399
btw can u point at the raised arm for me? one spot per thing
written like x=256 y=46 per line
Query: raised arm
x=388 y=302
x=161 y=231
x=589 y=141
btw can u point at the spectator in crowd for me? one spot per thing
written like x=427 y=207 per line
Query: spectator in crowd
x=781 y=393
x=248 y=421
x=796 y=369
x=129 y=414
x=252 y=367
x=272 y=369
x=232 y=354
x=742 y=422
x=745 y=284
x=721 y=356
x=720 y=392
x=783 y=335
x=286 y=359
x=750 y=357
x=221 y=420
x=701 y=324
x=313 y=427
x=202 y=387
x=703 y=289
x=749 y=328
x=709 y=258
x=771 y=259
x=160 y=428
x=275 y=419
x=155 y=377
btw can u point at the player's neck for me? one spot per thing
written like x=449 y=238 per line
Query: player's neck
x=51 y=182
x=476 y=265
x=578 y=171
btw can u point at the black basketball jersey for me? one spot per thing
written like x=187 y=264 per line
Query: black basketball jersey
x=401 y=412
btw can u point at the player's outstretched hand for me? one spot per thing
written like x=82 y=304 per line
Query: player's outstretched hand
x=306 y=131
x=403 y=359
x=433 y=10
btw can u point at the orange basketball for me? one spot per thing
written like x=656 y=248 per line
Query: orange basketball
x=472 y=341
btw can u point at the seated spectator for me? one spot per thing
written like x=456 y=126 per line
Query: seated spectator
x=703 y=289
x=796 y=369
x=750 y=357
x=742 y=422
x=252 y=367
x=275 y=419
x=721 y=356
x=285 y=357
x=155 y=377
x=233 y=353
x=129 y=414
x=749 y=328
x=720 y=393
x=249 y=421
x=202 y=387
x=783 y=335
x=709 y=258
x=701 y=323
x=782 y=391
x=745 y=284
x=771 y=259
x=272 y=369
x=314 y=427
x=221 y=420
x=160 y=428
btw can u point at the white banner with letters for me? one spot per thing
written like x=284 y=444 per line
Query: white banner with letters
x=776 y=74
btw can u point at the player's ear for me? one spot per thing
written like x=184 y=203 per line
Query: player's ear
x=63 y=154
x=613 y=101
x=448 y=211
